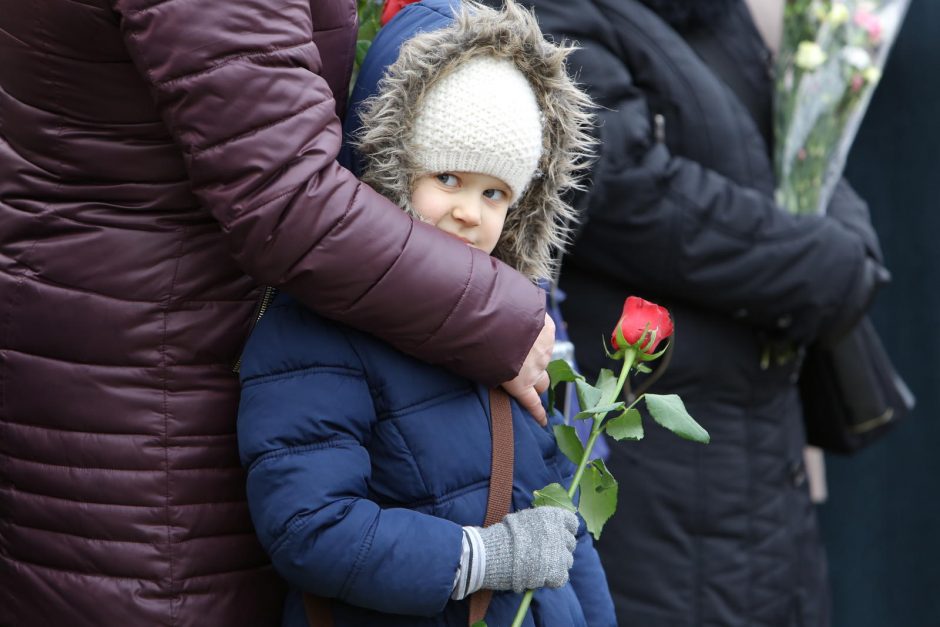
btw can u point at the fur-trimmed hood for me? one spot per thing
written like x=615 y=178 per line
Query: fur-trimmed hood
x=539 y=224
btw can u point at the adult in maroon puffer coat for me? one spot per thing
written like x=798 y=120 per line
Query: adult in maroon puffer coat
x=159 y=160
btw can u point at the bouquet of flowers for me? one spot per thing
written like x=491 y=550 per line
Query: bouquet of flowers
x=830 y=61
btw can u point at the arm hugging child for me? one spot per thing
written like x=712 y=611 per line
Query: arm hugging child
x=367 y=469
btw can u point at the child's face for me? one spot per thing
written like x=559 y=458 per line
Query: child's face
x=469 y=206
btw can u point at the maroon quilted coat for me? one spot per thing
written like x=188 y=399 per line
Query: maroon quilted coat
x=158 y=160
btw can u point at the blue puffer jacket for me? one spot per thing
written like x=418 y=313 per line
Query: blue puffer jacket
x=364 y=463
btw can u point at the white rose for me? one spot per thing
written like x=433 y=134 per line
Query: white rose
x=856 y=57
x=809 y=56
x=838 y=14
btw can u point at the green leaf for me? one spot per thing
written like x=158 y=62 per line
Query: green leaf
x=598 y=497
x=647 y=340
x=553 y=495
x=560 y=371
x=669 y=411
x=479 y=623
x=621 y=340
x=362 y=47
x=641 y=367
x=608 y=480
x=588 y=395
x=569 y=443
x=647 y=357
x=599 y=411
x=606 y=383
x=626 y=426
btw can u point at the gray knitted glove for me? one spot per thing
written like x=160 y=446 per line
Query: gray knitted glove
x=530 y=549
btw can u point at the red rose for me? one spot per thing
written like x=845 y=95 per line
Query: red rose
x=641 y=317
x=391 y=8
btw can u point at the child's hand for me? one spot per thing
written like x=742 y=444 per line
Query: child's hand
x=530 y=549
x=532 y=379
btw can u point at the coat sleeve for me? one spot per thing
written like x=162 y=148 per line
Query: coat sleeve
x=239 y=85
x=670 y=226
x=303 y=426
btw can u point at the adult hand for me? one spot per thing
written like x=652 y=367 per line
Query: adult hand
x=532 y=379
x=847 y=208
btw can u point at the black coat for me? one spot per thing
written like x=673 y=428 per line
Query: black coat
x=681 y=212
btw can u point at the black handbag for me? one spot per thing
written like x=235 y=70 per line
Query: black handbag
x=850 y=391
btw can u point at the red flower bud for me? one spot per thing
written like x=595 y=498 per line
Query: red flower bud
x=643 y=325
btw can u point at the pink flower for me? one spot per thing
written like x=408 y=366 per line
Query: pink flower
x=870 y=22
x=858 y=81
x=801 y=154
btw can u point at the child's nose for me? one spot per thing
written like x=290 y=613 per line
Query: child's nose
x=469 y=211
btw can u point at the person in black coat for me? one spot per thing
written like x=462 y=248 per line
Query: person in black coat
x=681 y=212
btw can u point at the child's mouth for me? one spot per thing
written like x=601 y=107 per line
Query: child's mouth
x=461 y=238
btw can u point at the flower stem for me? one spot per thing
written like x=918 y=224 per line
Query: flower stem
x=595 y=433
x=629 y=357
x=523 y=608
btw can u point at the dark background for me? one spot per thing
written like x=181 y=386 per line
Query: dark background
x=882 y=522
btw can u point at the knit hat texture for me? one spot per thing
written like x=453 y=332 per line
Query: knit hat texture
x=482 y=117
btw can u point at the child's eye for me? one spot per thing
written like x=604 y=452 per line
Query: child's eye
x=447 y=179
x=495 y=194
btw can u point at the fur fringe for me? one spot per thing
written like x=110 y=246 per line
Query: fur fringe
x=539 y=225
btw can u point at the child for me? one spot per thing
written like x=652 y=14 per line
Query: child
x=368 y=471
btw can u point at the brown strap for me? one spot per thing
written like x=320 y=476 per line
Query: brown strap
x=497 y=506
x=501 y=470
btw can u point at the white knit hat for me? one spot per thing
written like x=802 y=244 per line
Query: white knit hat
x=482 y=117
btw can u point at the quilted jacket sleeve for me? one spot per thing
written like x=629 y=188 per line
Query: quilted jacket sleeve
x=304 y=420
x=239 y=86
x=590 y=583
x=668 y=225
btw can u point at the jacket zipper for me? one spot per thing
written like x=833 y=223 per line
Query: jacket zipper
x=266 y=297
